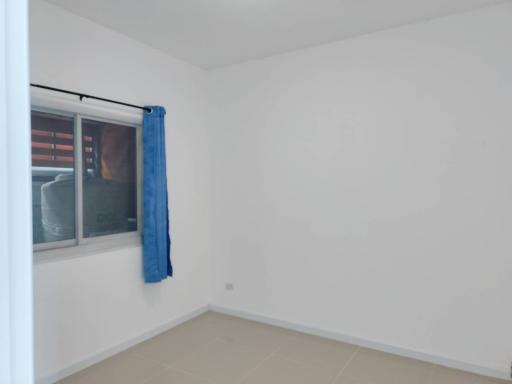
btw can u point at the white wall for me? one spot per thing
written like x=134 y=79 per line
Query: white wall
x=89 y=304
x=16 y=335
x=364 y=187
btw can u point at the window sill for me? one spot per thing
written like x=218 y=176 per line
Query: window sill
x=92 y=248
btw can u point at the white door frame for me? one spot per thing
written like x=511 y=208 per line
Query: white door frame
x=16 y=324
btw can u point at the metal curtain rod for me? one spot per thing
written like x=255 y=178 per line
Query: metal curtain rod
x=83 y=95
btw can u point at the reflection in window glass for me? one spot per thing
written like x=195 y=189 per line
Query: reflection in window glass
x=53 y=177
x=109 y=178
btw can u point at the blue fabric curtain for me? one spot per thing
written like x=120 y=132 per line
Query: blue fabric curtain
x=157 y=242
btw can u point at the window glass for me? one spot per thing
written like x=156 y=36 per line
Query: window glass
x=109 y=178
x=53 y=177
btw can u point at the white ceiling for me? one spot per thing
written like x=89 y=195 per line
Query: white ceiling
x=215 y=33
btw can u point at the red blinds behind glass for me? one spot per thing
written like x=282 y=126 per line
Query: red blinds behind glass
x=53 y=144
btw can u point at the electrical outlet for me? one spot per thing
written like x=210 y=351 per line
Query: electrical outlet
x=229 y=287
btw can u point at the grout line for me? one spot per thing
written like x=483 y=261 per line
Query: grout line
x=436 y=360
x=168 y=366
x=196 y=350
x=194 y=375
x=259 y=364
x=151 y=377
x=310 y=365
x=173 y=366
x=124 y=346
x=346 y=365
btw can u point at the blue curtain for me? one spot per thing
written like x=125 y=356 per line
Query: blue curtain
x=157 y=242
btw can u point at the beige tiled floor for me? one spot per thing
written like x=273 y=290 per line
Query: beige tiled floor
x=219 y=349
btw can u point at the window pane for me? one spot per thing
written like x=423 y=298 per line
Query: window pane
x=53 y=177
x=109 y=178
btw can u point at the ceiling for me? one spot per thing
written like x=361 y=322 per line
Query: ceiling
x=216 y=33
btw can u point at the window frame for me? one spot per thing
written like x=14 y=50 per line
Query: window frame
x=80 y=244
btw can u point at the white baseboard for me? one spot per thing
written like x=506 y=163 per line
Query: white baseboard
x=102 y=355
x=439 y=360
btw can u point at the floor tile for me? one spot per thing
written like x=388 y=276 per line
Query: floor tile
x=328 y=354
x=124 y=368
x=171 y=376
x=279 y=370
x=382 y=368
x=452 y=376
x=245 y=332
x=218 y=349
x=222 y=361
x=167 y=347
